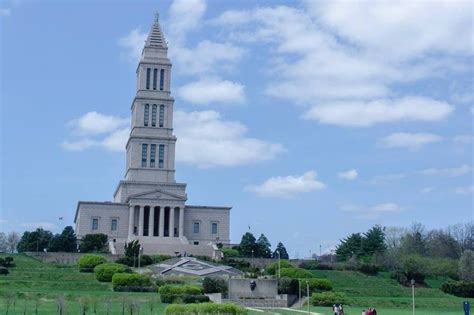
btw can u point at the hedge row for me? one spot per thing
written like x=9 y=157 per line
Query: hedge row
x=205 y=308
x=88 y=262
x=316 y=285
x=105 y=271
x=272 y=269
x=327 y=298
x=459 y=288
x=181 y=289
x=183 y=298
x=214 y=285
x=133 y=282
x=295 y=273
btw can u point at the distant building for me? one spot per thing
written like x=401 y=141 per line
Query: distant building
x=149 y=205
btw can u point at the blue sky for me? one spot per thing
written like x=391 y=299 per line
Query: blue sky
x=318 y=119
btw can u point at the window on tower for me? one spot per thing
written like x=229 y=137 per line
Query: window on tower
x=144 y=153
x=162 y=79
x=161 y=156
x=146 y=114
x=155 y=77
x=152 y=155
x=162 y=115
x=153 y=116
x=148 y=70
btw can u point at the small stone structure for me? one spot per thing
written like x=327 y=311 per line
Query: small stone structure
x=193 y=267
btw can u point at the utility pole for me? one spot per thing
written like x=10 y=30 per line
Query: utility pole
x=307 y=293
x=413 y=294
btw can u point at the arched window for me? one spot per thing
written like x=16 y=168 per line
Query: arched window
x=153 y=116
x=162 y=116
x=146 y=114
x=148 y=71
x=162 y=79
x=144 y=154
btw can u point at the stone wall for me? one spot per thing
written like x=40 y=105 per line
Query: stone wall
x=240 y=288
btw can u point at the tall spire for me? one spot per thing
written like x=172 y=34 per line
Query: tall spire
x=155 y=37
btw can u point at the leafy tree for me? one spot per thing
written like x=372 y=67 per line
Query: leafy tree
x=132 y=249
x=349 y=247
x=34 y=241
x=282 y=250
x=374 y=241
x=93 y=243
x=64 y=242
x=441 y=244
x=248 y=245
x=12 y=241
x=263 y=247
x=466 y=266
x=414 y=242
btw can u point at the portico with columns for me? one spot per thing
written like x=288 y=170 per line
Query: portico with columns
x=149 y=205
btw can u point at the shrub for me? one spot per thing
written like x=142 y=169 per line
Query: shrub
x=400 y=277
x=205 y=308
x=230 y=252
x=316 y=285
x=309 y=265
x=295 y=273
x=93 y=243
x=288 y=286
x=466 y=266
x=272 y=268
x=181 y=289
x=159 y=258
x=128 y=261
x=161 y=281
x=132 y=282
x=238 y=264
x=414 y=268
x=7 y=262
x=327 y=298
x=4 y=271
x=146 y=260
x=104 y=272
x=88 y=262
x=183 y=298
x=214 y=285
x=459 y=288
x=368 y=268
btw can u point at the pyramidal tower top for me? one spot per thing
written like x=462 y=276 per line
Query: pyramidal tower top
x=155 y=37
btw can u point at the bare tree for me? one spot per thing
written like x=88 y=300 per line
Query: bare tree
x=3 y=243
x=463 y=234
x=12 y=241
x=393 y=236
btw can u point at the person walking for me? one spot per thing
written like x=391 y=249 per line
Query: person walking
x=374 y=312
x=364 y=312
x=334 y=309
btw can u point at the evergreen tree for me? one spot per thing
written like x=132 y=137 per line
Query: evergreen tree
x=64 y=242
x=34 y=241
x=263 y=247
x=349 y=247
x=93 y=243
x=282 y=250
x=132 y=249
x=247 y=245
x=374 y=241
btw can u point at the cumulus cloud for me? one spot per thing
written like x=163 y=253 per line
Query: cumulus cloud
x=372 y=212
x=185 y=16
x=348 y=175
x=213 y=90
x=94 y=129
x=132 y=45
x=409 y=140
x=205 y=139
x=366 y=114
x=287 y=186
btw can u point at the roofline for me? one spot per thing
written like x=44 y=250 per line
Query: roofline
x=96 y=203
x=209 y=207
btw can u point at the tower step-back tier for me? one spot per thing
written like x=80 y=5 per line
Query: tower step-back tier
x=148 y=203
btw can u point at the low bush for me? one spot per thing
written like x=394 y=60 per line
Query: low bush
x=205 y=308
x=459 y=288
x=400 y=277
x=214 y=285
x=88 y=262
x=181 y=289
x=295 y=273
x=368 y=268
x=327 y=298
x=161 y=281
x=272 y=268
x=146 y=260
x=127 y=261
x=7 y=262
x=309 y=265
x=183 y=298
x=317 y=285
x=4 y=271
x=105 y=271
x=133 y=281
x=159 y=258
x=230 y=252
x=414 y=267
x=288 y=286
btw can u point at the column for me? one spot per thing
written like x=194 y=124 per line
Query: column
x=181 y=222
x=131 y=217
x=171 y=222
x=140 y=221
x=161 y=231
x=151 y=221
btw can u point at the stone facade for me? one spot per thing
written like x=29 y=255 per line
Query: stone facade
x=149 y=205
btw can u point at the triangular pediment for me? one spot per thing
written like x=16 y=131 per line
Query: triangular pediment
x=158 y=194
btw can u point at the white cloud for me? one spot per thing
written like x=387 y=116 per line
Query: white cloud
x=133 y=44
x=212 y=90
x=465 y=190
x=365 y=114
x=372 y=212
x=94 y=129
x=450 y=172
x=348 y=175
x=45 y=225
x=205 y=139
x=185 y=16
x=5 y=12
x=409 y=140
x=287 y=186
